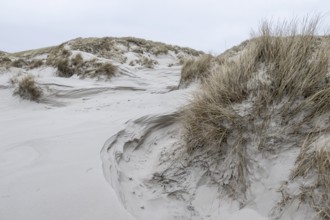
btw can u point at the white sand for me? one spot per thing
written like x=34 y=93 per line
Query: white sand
x=50 y=166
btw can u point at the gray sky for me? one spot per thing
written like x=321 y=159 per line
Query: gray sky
x=208 y=25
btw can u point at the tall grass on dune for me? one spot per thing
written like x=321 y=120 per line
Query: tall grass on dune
x=268 y=100
x=195 y=69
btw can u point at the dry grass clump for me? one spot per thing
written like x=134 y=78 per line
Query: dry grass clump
x=57 y=54
x=77 y=60
x=160 y=50
x=131 y=63
x=312 y=175
x=19 y=63
x=195 y=69
x=316 y=195
x=107 y=69
x=5 y=62
x=99 y=46
x=137 y=41
x=5 y=59
x=138 y=50
x=270 y=96
x=35 y=64
x=67 y=67
x=64 y=68
x=27 y=88
x=59 y=57
x=147 y=62
x=76 y=65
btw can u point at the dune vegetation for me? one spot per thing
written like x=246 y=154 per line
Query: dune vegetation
x=104 y=56
x=27 y=88
x=195 y=69
x=274 y=96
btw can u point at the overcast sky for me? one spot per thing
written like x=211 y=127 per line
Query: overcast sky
x=208 y=25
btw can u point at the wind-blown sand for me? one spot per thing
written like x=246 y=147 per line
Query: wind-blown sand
x=50 y=166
